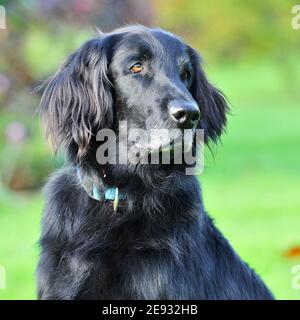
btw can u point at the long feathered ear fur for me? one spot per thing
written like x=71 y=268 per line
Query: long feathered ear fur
x=211 y=101
x=77 y=100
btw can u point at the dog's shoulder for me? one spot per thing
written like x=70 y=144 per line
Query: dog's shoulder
x=64 y=199
x=63 y=184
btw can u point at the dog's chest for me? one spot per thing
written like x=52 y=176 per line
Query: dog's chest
x=136 y=275
x=123 y=274
x=132 y=263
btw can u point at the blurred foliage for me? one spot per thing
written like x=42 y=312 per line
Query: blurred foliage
x=233 y=29
x=26 y=158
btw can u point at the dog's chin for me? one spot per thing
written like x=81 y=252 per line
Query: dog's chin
x=162 y=146
x=172 y=149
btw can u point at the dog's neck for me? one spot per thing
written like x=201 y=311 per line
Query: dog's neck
x=146 y=188
x=98 y=190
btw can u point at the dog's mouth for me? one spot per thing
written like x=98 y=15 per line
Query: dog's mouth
x=179 y=144
x=158 y=145
x=170 y=147
x=173 y=146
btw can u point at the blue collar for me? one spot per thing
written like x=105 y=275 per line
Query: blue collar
x=99 y=191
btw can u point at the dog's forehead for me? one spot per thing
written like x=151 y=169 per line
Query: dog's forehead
x=154 y=41
x=169 y=41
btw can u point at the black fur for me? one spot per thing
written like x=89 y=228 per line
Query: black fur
x=161 y=244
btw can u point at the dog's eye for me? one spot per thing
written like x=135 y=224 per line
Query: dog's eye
x=136 y=68
x=186 y=75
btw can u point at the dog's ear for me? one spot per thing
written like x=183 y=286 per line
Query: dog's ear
x=211 y=101
x=77 y=100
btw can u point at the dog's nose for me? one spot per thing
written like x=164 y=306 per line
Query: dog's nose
x=184 y=114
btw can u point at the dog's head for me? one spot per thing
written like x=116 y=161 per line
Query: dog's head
x=147 y=77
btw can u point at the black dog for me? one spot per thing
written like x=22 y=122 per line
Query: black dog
x=152 y=240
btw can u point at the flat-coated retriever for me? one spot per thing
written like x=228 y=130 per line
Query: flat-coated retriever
x=133 y=230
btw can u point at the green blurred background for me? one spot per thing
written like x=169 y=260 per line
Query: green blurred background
x=251 y=179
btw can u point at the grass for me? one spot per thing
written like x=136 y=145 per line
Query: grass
x=19 y=220
x=250 y=185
